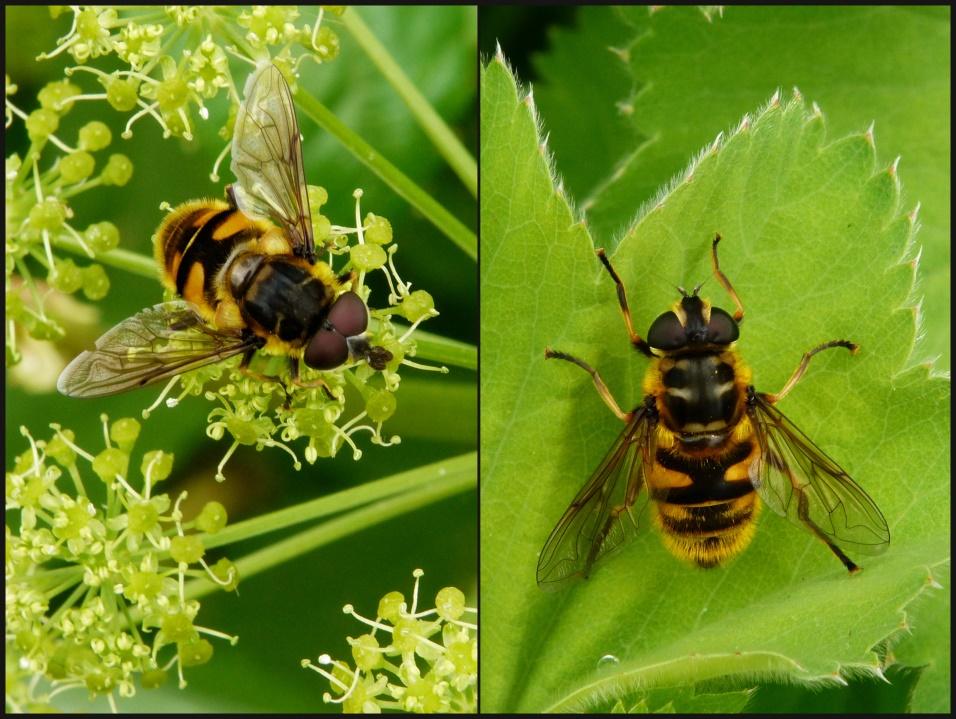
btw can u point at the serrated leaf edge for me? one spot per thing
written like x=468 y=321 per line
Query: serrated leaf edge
x=609 y=689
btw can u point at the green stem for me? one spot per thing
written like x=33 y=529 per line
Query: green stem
x=33 y=152
x=399 y=182
x=459 y=476
x=447 y=351
x=455 y=154
x=404 y=482
x=121 y=259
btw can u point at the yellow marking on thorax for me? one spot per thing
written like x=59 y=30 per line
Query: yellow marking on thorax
x=228 y=316
x=273 y=242
x=700 y=427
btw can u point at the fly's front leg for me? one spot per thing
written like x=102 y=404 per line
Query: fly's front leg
x=639 y=344
x=802 y=367
x=725 y=283
x=294 y=368
x=598 y=382
x=244 y=368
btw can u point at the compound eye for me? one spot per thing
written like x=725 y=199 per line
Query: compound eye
x=327 y=350
x=722 y=329
x=667 y=333
x=349 y=315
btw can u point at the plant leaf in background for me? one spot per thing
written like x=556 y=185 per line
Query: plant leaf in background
x=675 y=78
x=819 y=246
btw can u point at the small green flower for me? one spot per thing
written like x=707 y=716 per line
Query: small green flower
x=137 y=44
x=94 y=136
x=407 y=669
x=209 y=67
x=118 y=170
x=270 y=25
x=76 y=166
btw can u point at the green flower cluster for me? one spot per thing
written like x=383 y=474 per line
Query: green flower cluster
x=399 y=666
x=96 y=589
x=272 y=411
x=38 y=214
x=174 y=63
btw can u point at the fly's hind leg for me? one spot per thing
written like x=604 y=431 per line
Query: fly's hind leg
x=612 y=517
x=231 y=197
x=803 y=512
x=598 y=382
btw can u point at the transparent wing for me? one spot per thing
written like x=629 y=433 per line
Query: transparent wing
x=603 y=515
x=797 y=480
x=267 y=159
x=157 y=343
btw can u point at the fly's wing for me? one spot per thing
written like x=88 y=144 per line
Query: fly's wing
x=792 y=471
x=161 y=341
x=603 y=516
x=267 y=159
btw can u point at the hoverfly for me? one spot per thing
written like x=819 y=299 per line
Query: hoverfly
x=707 y=448
x=245 y=270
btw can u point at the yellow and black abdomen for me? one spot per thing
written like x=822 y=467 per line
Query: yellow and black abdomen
x=706 y=507
x=194 y=243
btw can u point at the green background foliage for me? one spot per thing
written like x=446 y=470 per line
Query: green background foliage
x=818 y=243
x=293 y=610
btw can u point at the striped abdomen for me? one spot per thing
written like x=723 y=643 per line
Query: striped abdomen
x=193 y=244
x=705 y=507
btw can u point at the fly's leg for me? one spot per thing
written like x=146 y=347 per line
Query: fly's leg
x=606 y=529
x=598 y=382
x=802 y=367
x=803 y=513
x=231 y=197
x=639 y=344
x=244 y=368
x=294 y=368
x=724 y=282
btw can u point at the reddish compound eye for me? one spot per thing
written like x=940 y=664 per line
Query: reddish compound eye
x=349 y=315
x=327 y=350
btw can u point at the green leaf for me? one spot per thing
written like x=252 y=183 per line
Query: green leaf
x=928 y=645
x=864 y=694
x=684 y=700
x=818 y=247
x=680 y=76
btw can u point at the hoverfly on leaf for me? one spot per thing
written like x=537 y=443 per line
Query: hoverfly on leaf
x=708 y=449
